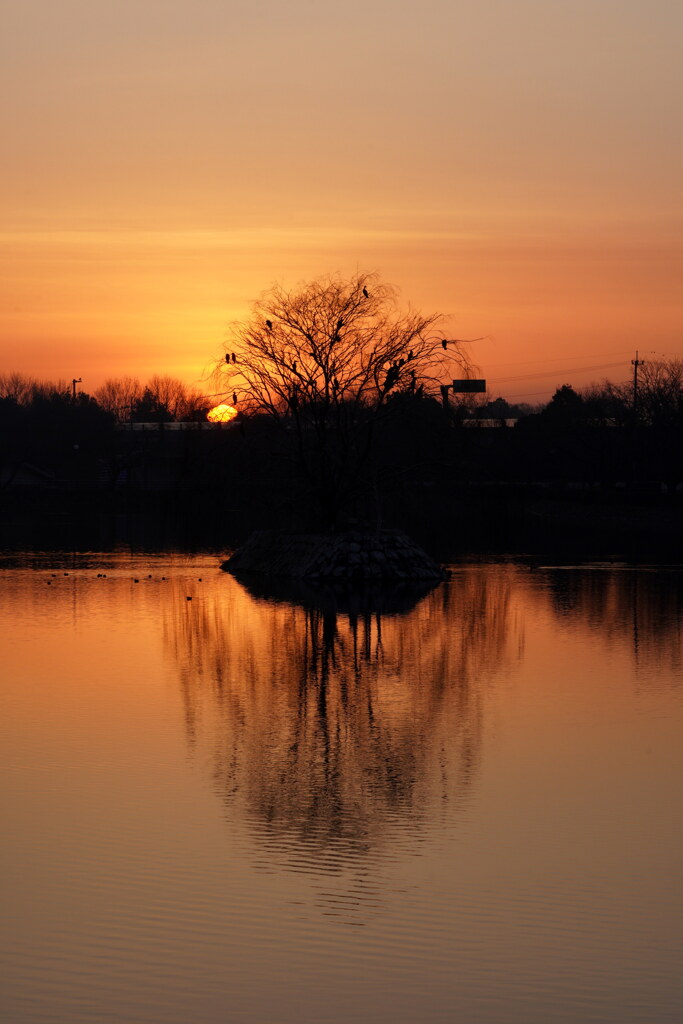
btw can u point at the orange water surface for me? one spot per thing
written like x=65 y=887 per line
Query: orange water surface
x=224 y=803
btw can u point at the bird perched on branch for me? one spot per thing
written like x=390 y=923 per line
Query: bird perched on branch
x=234 y=398
x=391 y=377
x=366 y=293
x=269 y=324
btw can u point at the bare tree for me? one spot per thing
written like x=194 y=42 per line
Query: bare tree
x=323 y=360
x=182 y=402
x=118 y=395
x=657 y=401
x=660 y=391
x=122 y=395
x=608 y=404
x=17 y=387
x=25 y=390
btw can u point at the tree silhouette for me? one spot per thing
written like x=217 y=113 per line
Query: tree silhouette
x=322 y=361
x=126 y=398
x=18 y=387
x=150 y=409
x=119 y=395
x=660 y=392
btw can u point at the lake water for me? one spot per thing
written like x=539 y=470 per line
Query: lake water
x=464 y=806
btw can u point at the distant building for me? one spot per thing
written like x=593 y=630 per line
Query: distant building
x=173 y=426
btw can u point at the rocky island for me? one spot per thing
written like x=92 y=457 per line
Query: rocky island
x=354 y=555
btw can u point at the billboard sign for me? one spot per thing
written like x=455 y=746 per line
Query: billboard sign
x=468 y=387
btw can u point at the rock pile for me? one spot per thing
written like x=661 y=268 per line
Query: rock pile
x=355 y=555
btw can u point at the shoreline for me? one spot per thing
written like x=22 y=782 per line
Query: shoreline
x=587 y=527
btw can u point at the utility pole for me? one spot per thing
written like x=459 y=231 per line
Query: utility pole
x=74 y=382
x=635 y=363
x=635 y=448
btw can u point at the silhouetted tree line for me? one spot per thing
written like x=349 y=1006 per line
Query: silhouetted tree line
x=611 y=432
x=162 y=399
x=425 y=448
x=590 y=435
x=57 y=433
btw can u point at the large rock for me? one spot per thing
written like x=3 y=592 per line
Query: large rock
x=386 y=555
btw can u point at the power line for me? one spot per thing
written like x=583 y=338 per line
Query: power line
x=548 y=373
x=528 y=394
x=563 y=359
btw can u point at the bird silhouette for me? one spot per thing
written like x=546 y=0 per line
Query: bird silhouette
x=269 y=324
x=444 y=343
x=234 y=398
x=392 y=374
x=227 y=357
x=365 y=293
x=234 y=358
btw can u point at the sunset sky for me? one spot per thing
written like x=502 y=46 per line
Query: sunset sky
x=514 y=164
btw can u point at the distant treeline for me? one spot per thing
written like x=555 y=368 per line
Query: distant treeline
x=162 y=399
x=55 y=436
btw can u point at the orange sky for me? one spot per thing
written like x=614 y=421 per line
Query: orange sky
x=515 y=165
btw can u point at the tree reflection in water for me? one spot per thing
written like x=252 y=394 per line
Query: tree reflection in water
x=639 y=607
x=332 y=724
x=327 y=718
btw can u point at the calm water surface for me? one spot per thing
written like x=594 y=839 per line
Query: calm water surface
x=240 y=807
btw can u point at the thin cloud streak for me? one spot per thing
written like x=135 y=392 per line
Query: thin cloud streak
x=516 y=166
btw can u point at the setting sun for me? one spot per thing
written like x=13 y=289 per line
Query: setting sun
x=221 y=414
